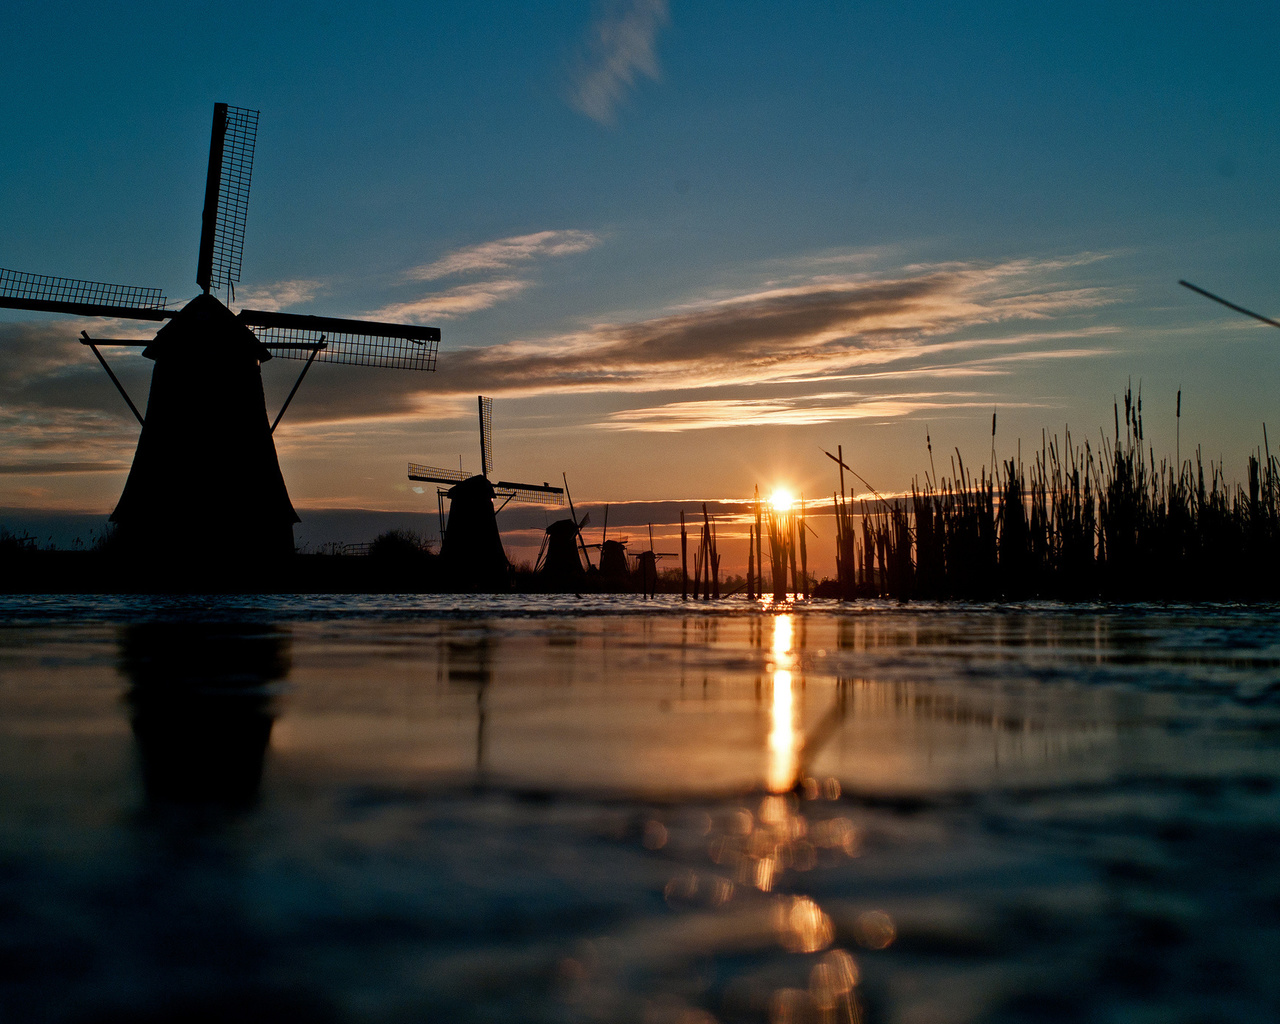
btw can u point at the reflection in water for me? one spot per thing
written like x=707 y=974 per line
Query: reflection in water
x=783 y=742
x=201 y=710
x=782 y=735
x=468 y=662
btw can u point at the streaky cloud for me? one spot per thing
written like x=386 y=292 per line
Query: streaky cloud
x=805 y=410
x=503 y=253
x=772 y=335
x=620 y=46
x=280 y=295
x=459 y=301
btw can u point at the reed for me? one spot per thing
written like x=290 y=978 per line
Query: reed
x=1073 y=523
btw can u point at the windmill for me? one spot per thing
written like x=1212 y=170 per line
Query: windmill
x=471 y=546
x=205 y=472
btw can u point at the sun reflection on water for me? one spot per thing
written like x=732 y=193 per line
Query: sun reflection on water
x=784 y=744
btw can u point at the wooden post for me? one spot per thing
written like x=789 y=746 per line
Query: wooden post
x=804 y=554
x=684 y=560
x=751 y=562
x=700 y=564
x=791 y=544
x=759 y=558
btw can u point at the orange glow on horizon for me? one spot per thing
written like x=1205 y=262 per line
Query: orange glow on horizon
x=781 y=500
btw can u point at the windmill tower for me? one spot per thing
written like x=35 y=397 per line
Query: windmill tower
x=471 y=546
x=205 y=488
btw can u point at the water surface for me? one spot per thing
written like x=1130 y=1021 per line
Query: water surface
x=553 y=809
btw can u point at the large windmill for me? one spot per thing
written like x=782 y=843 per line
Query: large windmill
x=471 y=546
x=205 y=478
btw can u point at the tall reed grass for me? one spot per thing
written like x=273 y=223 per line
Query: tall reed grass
x=1074 y=523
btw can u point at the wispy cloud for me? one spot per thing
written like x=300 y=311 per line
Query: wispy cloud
x=485 y=258
x=459 y=301
x=893 y=345
x=506 y=252
x=778 y=334
x=619 y=46
x=280 y=295
x=801 y=410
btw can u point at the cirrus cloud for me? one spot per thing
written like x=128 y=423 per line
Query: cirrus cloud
x=619 y=47
x=506 y=252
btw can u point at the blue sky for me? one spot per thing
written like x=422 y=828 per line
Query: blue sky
x=683 y=245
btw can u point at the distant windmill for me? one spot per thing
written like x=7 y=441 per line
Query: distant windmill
x=471 y=547
x=558 y=561
x=205 y=476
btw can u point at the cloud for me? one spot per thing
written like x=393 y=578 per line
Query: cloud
x=740 y=358
x=504 y=252
x=620 y=45
x=802 y=410
x=459 y=301
x=820 y=329
x=61 y=468
x=280 y=295
x=500 y=254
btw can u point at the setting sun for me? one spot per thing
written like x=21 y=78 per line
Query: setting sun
x=781 y=500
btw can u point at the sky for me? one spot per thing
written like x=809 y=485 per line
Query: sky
x=685 y=247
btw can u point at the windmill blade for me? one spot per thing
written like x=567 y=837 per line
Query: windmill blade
x=437 y=476
x=20 y=290
x=1230 y=305
x=535 y=494
x=226 y=195
x=486 y=434
x=354 y=342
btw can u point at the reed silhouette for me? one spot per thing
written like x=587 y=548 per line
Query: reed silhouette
x=1075 y=523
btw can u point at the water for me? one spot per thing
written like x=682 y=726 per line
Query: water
x=553 y=809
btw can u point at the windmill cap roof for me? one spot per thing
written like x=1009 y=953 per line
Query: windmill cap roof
x=206 y=322
x=477 y=486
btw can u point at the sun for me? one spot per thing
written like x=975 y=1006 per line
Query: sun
x=781 y=500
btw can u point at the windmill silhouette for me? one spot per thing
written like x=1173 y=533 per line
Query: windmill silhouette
x=205 y=477
x=471 y=548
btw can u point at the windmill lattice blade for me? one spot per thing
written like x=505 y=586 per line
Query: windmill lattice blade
x=1229 y=305
x=435 y=475
x=226 y=195
x=486 y=435
x=354 y=342
x=20 y=290
x=534 y=494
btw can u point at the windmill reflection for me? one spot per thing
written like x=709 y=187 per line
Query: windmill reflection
x=468 y=663
x=201 y=707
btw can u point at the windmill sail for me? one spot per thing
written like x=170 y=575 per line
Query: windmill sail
x=354 y=342
x=226 y=195
x=535 y=494
x=432 y=474
x=486 y=434
x=1229 y=305
x=20 y=290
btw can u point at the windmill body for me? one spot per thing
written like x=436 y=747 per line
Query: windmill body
x=205 y=476
x=562 y=562
x=205 y=500
x=613 y=561
x=471 y=551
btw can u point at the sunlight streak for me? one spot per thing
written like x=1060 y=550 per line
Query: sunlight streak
x=784 y=742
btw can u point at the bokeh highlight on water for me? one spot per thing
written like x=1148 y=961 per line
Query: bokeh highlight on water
x=551 y=809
